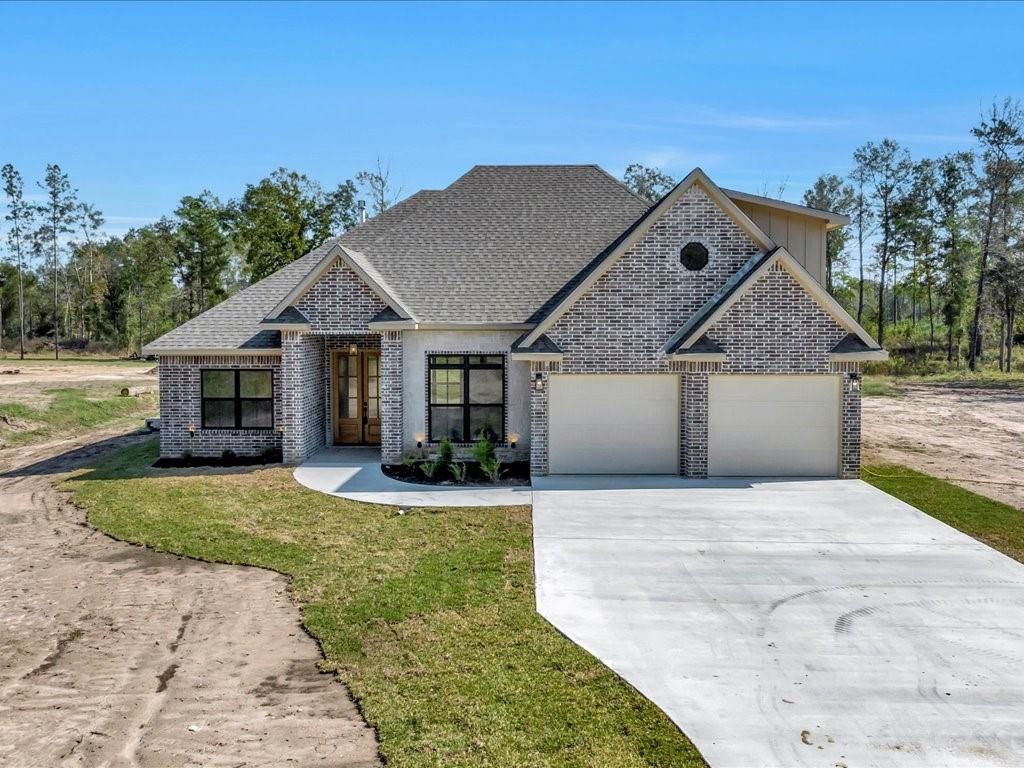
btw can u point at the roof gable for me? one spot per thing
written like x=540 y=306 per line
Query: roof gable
x=359 y=264
x=582 y=281
x=703 y=320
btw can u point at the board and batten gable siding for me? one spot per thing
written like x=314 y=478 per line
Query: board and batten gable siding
x=802 y=236
x=339 y=302
x=622 y=322
x=181 y=407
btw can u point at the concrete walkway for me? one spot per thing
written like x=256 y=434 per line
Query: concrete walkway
x=355 y=473
x=816 y=623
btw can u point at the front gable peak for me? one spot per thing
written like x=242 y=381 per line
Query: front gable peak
x=581 y=283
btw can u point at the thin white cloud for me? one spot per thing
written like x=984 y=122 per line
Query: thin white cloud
x=674 y=159
x=711 y=118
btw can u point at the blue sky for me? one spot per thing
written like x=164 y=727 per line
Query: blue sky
x=145 y=103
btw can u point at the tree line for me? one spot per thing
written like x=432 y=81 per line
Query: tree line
x=933 y=260
x=66 y=285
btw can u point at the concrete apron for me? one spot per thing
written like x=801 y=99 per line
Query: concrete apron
x=816 y=623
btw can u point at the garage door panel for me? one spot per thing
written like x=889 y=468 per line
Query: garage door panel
x=614 y=424
x=773 y=425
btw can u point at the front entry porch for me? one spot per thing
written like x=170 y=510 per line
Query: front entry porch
x=354 y=394
x=338 y=392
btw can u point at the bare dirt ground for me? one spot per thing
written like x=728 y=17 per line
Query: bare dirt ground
x=113 y=655
x=972 y=436
x=33 y=377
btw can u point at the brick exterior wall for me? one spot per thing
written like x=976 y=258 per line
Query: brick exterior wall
x=339 y=302
x=776 y=327
x=181 y=407
x=391 y=396
x=302 y=400
x=622 y=323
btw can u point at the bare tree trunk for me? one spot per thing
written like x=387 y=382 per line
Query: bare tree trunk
x=56 y=299
x=21 y=302
x=1002 y=340
x=860 y=258
x=931 y=320
x=974 y=346
x=1011 y=318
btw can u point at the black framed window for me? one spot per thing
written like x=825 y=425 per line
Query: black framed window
x=238 y=398
x=466 y=397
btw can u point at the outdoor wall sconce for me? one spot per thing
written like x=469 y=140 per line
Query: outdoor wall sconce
x=538 y=382
x=512 y=440
x=419 y=440
x=191 y=430
x=353 y=349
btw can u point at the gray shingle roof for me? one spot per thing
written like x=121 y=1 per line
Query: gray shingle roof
x=542 y=344
x=492 y=247
x=851 y=343
x=289 y=314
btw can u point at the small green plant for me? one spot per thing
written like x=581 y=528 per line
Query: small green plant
x=458 y=470
x=408 y=460
x=483 y=451
x=492 y=468
x=445 y=452
x=429 y=469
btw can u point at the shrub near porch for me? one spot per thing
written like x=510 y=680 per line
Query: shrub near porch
x=428 y=616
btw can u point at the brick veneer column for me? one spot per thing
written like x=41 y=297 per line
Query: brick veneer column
x=391 y=437
x=302 y=399
x=850 y=450
x=695 y=424
x=539 y=415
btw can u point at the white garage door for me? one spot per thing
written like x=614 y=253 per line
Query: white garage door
x=622 y=425
x=786 y=426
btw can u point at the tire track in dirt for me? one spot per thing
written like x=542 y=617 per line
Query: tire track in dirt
x=114 y=655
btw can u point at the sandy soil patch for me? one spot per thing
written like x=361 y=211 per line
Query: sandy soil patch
x=970 y=435
x=113 y=655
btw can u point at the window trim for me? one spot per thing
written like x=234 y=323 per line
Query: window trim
x=237 y=399
x=466 y=367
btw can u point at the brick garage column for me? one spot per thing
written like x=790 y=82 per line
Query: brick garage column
x=302 y=400
x=850 y=449
x=539 y=415
x=695 y=424
x=391 y=437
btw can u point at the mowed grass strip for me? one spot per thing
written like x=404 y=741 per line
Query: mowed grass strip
x=70 y=411
x=428 y=616
x=991 y=522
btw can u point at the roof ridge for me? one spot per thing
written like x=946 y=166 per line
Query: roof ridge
x=626 y=187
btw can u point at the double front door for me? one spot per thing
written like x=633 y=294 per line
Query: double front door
x=355 y=383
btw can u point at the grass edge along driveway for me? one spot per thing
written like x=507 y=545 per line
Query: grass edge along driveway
x=428 y=617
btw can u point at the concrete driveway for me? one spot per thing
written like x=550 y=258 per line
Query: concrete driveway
x=816 y=623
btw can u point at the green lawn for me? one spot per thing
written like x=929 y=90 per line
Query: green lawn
x=70 y=411
x=992 y=522
x=428 y=617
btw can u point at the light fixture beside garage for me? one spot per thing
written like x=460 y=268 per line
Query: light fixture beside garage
x=538 y=382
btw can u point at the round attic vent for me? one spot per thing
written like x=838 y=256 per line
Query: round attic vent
x=693 y=256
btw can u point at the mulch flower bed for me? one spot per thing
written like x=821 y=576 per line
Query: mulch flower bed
x=513 y=473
